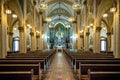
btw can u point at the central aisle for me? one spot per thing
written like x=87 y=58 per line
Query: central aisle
x=60 y=69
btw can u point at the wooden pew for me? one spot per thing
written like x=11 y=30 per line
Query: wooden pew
x=73 y=56
x=25 y=61
x=22 y=67
x=95 y=61
x=35 y=54
x=16 y=75
x=83 y=70
x=103 y=75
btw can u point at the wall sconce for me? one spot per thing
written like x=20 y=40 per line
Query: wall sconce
x=71 y=19
x=48 y=19
x=105 y=15
x=113 y=9
x=14 y=15
x=15 y=28
x=67 y=26
x=29 y=26
x=8 y=11
x=88 y=26
x=91 y=24
x=81 y=31
x=37 y=32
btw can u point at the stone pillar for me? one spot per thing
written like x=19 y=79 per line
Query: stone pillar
x=75 y=37
x=33 y=41
x=112 y=42
x=22 y=42
x=37 y=38
x=44 y=32
x=3 y=31
x=116 y=31
x=10 y=34
x=34 y=34
x=81 y=41
x=8 y=48
x=40 y=43
x=78 y=32
x=96 y=44
x=23 y=30
x=86 y=37
x=108 y=41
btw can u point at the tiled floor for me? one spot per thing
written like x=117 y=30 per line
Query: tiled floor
x=60 y=69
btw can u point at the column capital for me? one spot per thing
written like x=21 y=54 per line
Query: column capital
x=32 y=33
x=45 y=22
x=40 y=13
x=87 y=33
x=37 y=36
x=21 y=29
x=108 y=33
x=10 y=33
x=98 y=29
x=74 y=22
x=81 y=36
x=78 y=12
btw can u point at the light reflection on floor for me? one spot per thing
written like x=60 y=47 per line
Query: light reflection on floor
x=59 y=69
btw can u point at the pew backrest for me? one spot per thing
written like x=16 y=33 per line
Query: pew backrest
x=103 y=75
x=16 y=75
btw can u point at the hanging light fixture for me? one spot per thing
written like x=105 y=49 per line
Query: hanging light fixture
x=76 y=5
x=41 y=5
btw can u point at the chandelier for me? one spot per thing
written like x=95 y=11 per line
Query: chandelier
x=41 y=5
x=76 y=5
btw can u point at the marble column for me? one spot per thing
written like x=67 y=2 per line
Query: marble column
x=3 y=31
x=37 y=39
x=33 y=39
x=78 y=32
x=22 y=40
x=108 y=41
x=40 y=43
x=75 y=37
x=23 y=30
x=96 y=44
x=44 y=32
x=86 y=37
x=10 y=36
x=81 y=41
x=8 y=46
x=116 y=31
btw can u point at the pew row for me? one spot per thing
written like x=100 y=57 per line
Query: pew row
x=83 y=68
x=22 y=67
x=103 y=75
x=16 y=75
